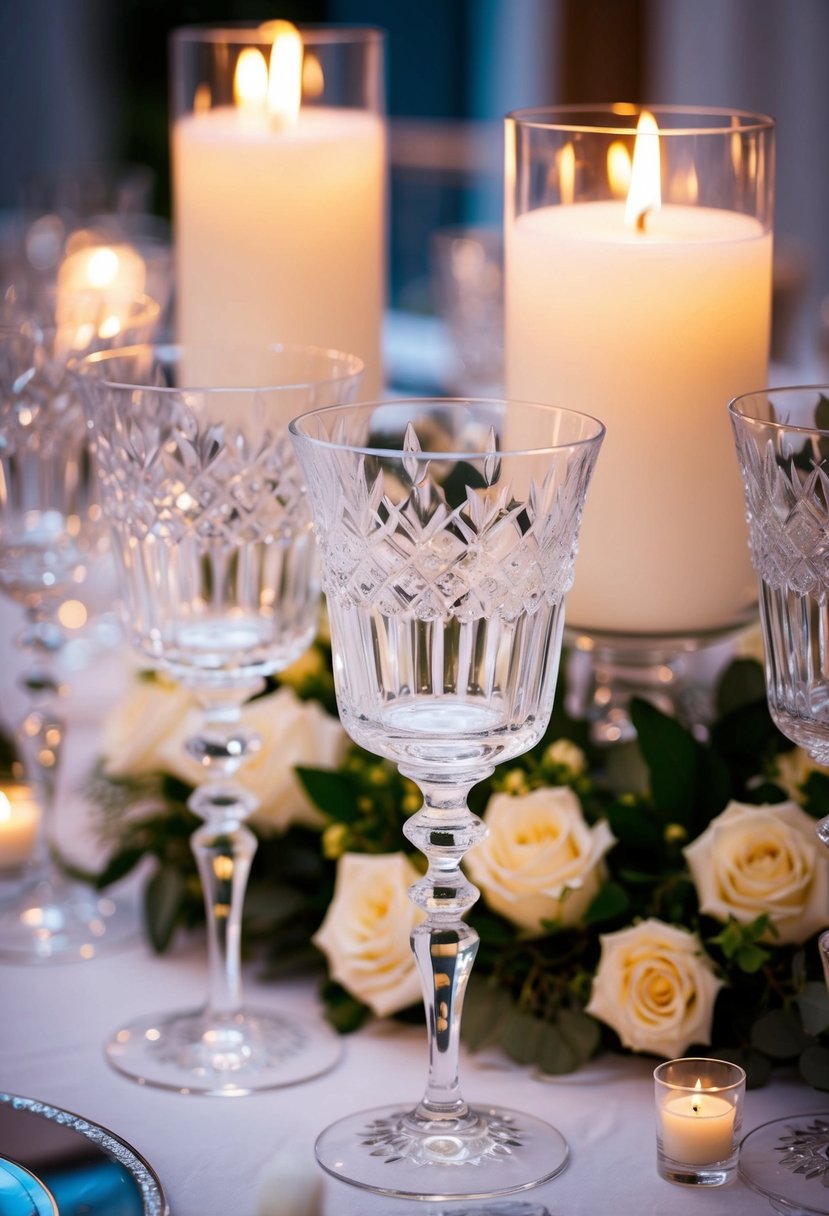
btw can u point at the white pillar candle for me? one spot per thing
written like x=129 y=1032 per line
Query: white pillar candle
x=279 y=229
x=697 y=1129
x=652 y=331
x=19 y=824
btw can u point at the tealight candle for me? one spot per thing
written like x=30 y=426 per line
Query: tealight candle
x=698 y=1116
x=19 y=824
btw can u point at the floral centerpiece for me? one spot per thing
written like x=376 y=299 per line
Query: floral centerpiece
x=667 y=903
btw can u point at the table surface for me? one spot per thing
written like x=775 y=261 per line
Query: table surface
x=210 y=1153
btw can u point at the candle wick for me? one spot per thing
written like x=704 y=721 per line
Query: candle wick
x=695 y=1107
x=640 y=219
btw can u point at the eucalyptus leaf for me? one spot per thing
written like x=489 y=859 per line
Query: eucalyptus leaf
x=520 y=1036
x=635 y=826
x=118 y=866
x=814 y=1066
x=555 y=1055
x=164 y=898
x=343 y=1011
x=485 y=1007
x=581 y=1032
x=779 y=1035
x=813 y=1004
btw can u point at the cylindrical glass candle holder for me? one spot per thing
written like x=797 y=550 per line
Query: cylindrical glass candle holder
x=278 y=160
x=638 y=288
x=699 y=1113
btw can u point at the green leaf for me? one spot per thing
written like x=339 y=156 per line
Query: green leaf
x=520 y=1036
x=118 y=866
x=670 y=754
x=163 y=900
x=751 y=958
x=635 y=826
x=342 y=1010
x=334 y=793
x=814 y=1066
x=757 y=1066
x=813 y=1004
x=555 y=1056
x=485 y=1007
x=581 y=1032
x=611 y=901
x=779 y=1034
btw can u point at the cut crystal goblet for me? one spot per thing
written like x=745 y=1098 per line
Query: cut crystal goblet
x=447 y=532
x=217 y=562
x=782 y=438
x=50 y=537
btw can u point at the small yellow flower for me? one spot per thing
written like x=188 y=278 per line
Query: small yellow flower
x=566 y=755
x=675 y=833
x=515 y=783
x=411 y=802
x=334 y=841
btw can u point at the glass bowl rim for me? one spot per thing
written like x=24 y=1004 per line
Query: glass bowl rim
x=566 y=118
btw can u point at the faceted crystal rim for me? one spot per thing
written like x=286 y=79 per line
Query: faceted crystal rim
x=740 y=411
x=296 y=428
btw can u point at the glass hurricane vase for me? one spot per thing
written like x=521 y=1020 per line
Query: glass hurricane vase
x=447 y=532
x=217 y=562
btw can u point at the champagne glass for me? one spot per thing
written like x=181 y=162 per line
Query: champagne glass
x=50 y=534
x=215 y=552
x=447 y=531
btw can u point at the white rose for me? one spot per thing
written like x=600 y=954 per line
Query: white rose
x=365 y=933
x=540 y=860
x=293 y=733
x=655 y=988
x=135 y=732
x=752 y=860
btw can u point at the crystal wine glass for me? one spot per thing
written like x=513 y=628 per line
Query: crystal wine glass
x=50 y=534
x=216 y=557
x=782 y=438
x=447 y=531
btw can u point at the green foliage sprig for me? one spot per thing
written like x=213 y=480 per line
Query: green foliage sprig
x=527 y=995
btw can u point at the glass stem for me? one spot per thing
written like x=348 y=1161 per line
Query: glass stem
x=223 y=846
x=444 y=946
x=42 y=730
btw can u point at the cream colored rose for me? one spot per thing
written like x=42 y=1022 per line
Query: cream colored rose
x=293 y=733
x=752 y=860
x=540 y=860
x=135 y=732
x=365 y=934
x=655 y=987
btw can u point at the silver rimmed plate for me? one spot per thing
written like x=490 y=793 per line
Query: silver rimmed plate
x=787 y=1160
x=53 y=1161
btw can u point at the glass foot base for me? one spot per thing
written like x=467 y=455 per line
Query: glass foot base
x=55 y=921
x=227 y=1056
x=393 y=1152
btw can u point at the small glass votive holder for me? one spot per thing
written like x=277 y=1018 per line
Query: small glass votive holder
x=699 y=1114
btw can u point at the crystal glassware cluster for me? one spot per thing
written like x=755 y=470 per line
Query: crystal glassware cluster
x=215 y=551
x=447 y=532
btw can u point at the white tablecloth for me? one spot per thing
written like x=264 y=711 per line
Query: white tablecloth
x=209 y=1153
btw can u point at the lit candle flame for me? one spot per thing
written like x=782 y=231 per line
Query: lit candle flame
x=645 y=193
x=274 y=87
x=250 y=80
x=618 y=169
x=566 y=164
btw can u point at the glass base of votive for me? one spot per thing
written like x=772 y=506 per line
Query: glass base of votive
x=719 y=1173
